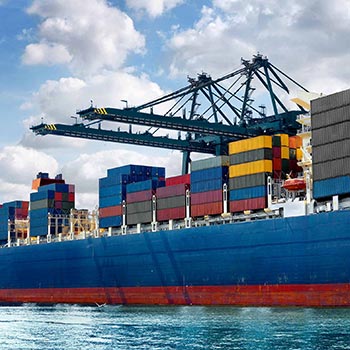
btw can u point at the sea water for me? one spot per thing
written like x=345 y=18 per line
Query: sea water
x=65 y=327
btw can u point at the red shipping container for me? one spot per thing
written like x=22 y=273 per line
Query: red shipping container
x=206 y=197
x=277 y=174
x=71 y=197
x=25 y=205
x=248 y=204
x=140 y=196
x=58 y=205
x=58 y=196
x=277 y=164
x=214 y=208
x=177 y=180
x=171 y=191
x=276 y=152
x=115 y=210
x=172 y=213
x=71 y=188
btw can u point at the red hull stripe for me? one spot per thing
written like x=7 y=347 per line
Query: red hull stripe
x=314 y=295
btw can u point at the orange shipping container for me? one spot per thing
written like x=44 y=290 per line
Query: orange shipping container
x=206 y=209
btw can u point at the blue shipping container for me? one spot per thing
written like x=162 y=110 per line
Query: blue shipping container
x=248 y=192
x=207 y=185
x=331 y=187
x=111 y=221
x=144 y=186
x=209 y=174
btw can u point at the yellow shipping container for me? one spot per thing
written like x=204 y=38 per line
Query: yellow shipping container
x=299 y=154
x=284 y=152
x=258 y=166
x=284 y=139
x=250 y=144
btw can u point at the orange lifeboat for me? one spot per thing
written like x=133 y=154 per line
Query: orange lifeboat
x=294 y=184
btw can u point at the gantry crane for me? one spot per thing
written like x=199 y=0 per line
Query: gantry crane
x=207 y=113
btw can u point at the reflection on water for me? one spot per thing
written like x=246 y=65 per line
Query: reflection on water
x=133 y=327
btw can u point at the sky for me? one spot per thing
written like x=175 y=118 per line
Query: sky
x=58 y=55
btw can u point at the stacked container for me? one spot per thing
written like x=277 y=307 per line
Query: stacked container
x=55 y=201
x=139 y=199
x=330 y=121
x=276 y=157
x=171 y=199
x=113 y=190
x=9 y=213
x=250 y=165
x=208 y=177
x=295 y=155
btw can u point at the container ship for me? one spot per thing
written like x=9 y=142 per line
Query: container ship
x=265 y=225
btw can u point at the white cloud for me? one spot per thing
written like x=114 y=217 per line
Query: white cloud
x=154 y=8
x=19 y=166
x=299 y=37
x=57 y=100
x=88 y=37
x=43 y=53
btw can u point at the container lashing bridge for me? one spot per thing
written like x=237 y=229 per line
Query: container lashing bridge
x=206 y=113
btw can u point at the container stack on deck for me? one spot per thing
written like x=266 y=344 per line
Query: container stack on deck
x=251 y=163
x=54 y=200
x=139 y=199
x=126 y=184
x=330 y=120
x=11 y=212
x=207 y=179
x=171 y=199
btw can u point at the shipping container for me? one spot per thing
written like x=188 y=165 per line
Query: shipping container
x=276 y=152
x=139 y=207
x=139 y=196
x=331 y=151
x=276 y=141
x=284 y=152
x=171 y=213
x=250 y=144
x=207 y=185
x=110 y=201
x=139 y=218
x=259 y=166
x=332 y=133
x=178 y=180
x=251 y=156
x=258 y=179
x=330 y=117
x=110 y=211
x=111 y=221
x=277 y=164
x=206 y=197
x=247 y=204
x=295 y=141
x=144 y=185
x=213 y=162
x=284 y=140
x=214 y=208
x=330 y=102
x=172 y=191
x=209 y=174
x=171 y=202
x=330 y=169
x=299 y=154
x=248 y=192
x=331 y=187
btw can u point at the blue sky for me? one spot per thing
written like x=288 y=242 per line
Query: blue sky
x=56 y=55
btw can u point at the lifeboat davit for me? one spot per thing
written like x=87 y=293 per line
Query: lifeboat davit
x=294 y=184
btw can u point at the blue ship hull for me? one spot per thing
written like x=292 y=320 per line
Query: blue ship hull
x=292 y=261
